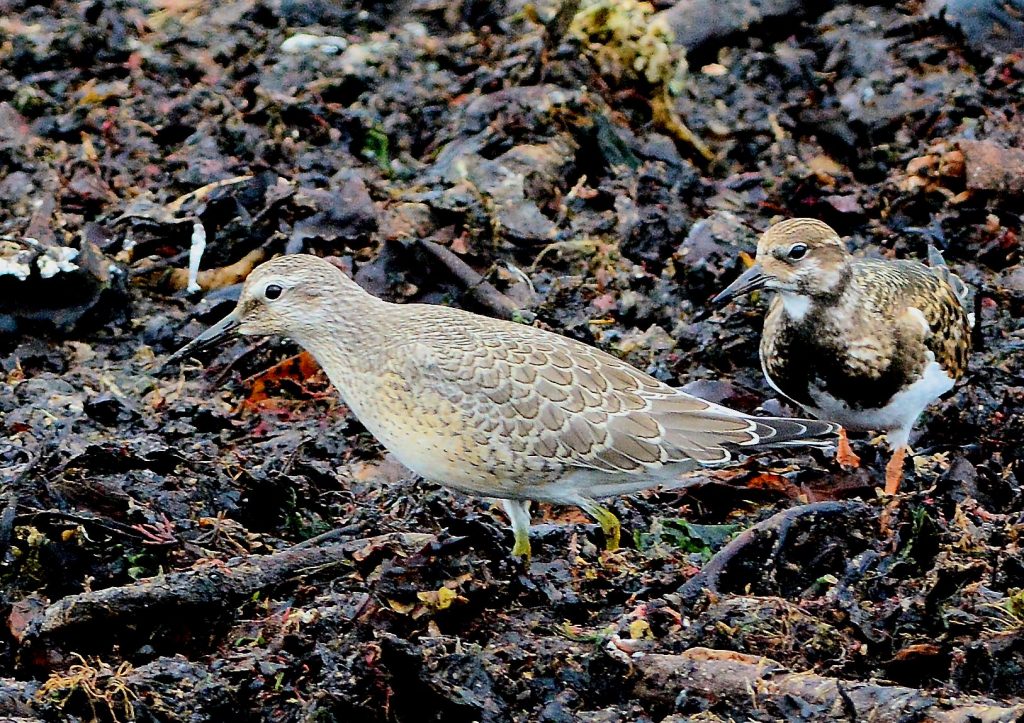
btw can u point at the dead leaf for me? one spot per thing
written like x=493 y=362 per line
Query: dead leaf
x=218 y=278
x=298 y=368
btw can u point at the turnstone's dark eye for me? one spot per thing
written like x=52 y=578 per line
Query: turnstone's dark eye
x=797 y=251
x=272 y=291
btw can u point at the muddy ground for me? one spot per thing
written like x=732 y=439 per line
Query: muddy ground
x=152 y=523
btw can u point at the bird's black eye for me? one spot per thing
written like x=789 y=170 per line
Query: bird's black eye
x=797 y=252
x=272 y=291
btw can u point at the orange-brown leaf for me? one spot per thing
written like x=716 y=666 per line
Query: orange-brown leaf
x=296 y=368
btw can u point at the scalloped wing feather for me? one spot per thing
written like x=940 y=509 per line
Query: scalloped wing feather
x=556 y=398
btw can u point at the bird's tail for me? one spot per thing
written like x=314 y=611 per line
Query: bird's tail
x=941 y=270
x=791 y=432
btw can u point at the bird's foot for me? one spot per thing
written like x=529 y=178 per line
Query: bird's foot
x=521 y=548
x=894 y=471
x=609 y=525
x=888 y=518
x=845 y=455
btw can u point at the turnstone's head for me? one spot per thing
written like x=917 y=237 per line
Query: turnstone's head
x=799 y=257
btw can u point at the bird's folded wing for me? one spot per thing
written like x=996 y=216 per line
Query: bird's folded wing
x=562 y=400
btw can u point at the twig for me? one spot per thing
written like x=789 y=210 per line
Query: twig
x=179 y=595
x=558 y=26
x=778 y=524
x=666 y=117
x=727 y=679
x=204 y=191
x=34 y=517
x=481 y=289
x=229 y=367
x=329 y=536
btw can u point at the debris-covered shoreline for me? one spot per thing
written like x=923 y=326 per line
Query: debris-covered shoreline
x=225 y=542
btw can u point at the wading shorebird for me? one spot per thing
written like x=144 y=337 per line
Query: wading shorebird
x=862 y=342
x=494 y=408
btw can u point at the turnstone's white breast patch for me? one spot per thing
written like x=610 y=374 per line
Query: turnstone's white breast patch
x=796 y=305
x=918 y=315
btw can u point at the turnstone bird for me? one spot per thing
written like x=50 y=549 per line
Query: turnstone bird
x=862 y=342
x=494 y=408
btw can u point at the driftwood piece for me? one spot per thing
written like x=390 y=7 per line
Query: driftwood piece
x=734 y=681
x=208 y=588
x=481 y=289
x=778 y=525
x=211 y=279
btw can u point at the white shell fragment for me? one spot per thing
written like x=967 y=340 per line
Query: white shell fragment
x=16 y=258
x=56 y=260
x=195 y=255
x=307 y=42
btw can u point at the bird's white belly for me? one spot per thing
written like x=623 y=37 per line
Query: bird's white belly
x=899 y=413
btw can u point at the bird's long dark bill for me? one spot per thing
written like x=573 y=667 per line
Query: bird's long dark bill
x=750 y=280
x=219 y=331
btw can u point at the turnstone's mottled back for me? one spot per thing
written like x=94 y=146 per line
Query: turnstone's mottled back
x=866 y=343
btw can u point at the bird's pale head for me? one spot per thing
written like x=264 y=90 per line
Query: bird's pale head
x=799 y=256
x=292 y=295
x=287 y=294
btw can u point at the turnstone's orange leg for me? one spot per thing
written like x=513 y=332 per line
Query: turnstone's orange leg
x=845 y=455
x=894 y=470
